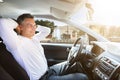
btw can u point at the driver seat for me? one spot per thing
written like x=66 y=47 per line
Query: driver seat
x=10 y=66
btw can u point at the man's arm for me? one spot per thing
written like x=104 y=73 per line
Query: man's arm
x=43 y=32
x=8 y=34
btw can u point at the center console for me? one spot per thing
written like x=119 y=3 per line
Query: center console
x=105 y=68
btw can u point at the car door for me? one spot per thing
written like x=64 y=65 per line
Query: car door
x=56 y=53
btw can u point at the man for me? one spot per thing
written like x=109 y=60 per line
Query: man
x=27 y=50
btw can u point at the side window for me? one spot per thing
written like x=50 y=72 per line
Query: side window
x=64 y=34
x=60 y=33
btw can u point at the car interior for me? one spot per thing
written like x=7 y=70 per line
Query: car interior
x=95 y=55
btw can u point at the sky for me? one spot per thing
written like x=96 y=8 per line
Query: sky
x=106 y=11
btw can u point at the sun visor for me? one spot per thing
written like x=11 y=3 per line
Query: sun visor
x=60 y=14
x=64 y=9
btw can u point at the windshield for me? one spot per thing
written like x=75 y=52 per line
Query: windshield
x=105 y=18
x=102 y=16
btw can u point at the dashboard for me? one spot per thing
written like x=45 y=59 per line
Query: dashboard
x=107 y=64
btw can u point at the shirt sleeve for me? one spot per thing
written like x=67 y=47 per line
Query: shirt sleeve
x=7 y=33
x=43 y=32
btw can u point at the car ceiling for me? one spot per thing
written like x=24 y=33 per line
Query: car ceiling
x=13 y=8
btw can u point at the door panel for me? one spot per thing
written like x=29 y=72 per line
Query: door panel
x=56 y=53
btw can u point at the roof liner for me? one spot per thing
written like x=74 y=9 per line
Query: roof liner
x=13 y=8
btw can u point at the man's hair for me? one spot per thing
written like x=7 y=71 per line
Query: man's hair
x=22 y=17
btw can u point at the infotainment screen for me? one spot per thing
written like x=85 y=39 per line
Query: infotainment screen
x=96 y=50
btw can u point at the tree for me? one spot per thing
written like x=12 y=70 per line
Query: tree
x=46 y=23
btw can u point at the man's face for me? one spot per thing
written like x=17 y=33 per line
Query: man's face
x=28 y=27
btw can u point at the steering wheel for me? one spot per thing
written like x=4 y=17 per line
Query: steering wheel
x=75 y=51
x=74 y=54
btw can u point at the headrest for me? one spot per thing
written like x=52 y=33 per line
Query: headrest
x=8 y=22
